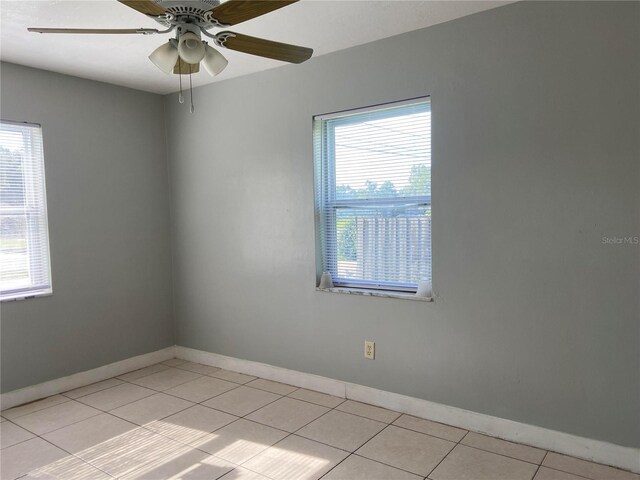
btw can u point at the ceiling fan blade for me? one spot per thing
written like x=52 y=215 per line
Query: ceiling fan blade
x=233 y=12
x=144 y=6
x=105 y=31
x=185 y=68
x=264 y=48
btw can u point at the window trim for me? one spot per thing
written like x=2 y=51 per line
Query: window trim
x=40 y=289
x=324 y=171
x=367 y=292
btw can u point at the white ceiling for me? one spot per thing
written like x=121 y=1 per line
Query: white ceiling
x=324 y=25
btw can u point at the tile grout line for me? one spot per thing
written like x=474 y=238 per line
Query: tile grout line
x=64 y=394
x=582 y=476
x=206 y=433
x=344 y=449
x=252 y=411
x=369 y=405
x=336 y=466
x=394 y=466
x=21 y=441
x=214 y=396
x=135 y=427
x=67 y=399
x=378 y=461
x=279 y=429
x=243 y=417
x=539 y=466
x=290 y=434
x=173 y=386
x=314 y=403
x=68 y=425
x=130 y=382
x=448 y=453
x=340 y=448
x=504 y=455
x=219 y=369
x=430 y=434
x=295 y=389
x=109 y=411
x=123 y=405
x=72 y=454
x=354 y=452
x=172 y=395
x=133 y=401
x=165 y=392
x=201 y=376
x=174 y=413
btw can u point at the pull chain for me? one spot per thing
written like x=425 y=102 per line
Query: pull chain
x=180 y=96
x=191 y=91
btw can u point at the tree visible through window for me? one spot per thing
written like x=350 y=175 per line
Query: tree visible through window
x=24 y=244
x=373 y=195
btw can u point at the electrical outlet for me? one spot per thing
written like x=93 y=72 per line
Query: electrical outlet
x=369 y=350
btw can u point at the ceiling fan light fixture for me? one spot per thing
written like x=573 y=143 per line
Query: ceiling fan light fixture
x=190 y=48
x=213 y=61
x=165 y=57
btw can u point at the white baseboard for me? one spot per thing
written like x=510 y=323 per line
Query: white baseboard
x=581 y=447
x=59 y=385
x=263 y=370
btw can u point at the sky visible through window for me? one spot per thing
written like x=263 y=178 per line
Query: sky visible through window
x=388 y=153
x=13 y=141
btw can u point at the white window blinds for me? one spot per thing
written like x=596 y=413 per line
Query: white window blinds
x=24 y=242
x=373 y=195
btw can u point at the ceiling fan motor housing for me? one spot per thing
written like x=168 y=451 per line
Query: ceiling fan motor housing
x=196 y=10
x=187 y=7
x=199 y=13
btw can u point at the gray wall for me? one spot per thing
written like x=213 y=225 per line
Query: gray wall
x=108 y=204
x=536 y=114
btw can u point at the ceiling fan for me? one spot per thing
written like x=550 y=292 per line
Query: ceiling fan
x=190 y=19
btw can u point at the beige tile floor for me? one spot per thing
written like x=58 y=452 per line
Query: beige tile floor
x=181 y=420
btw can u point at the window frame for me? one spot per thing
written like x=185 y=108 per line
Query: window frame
x=325 y=196
x=35 y=180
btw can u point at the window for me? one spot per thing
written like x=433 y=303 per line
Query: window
x=24 y=242
x=373 y=195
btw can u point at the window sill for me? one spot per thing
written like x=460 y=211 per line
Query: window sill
x=26 y=296
x=375 y=293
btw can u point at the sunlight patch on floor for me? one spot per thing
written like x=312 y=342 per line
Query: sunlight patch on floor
x=180 y=433
x=68 y=468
